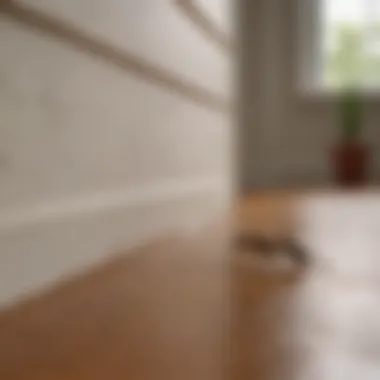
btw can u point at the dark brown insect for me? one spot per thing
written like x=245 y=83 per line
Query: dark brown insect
x=272 y=246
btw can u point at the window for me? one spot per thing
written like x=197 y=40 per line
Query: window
x=343 y=49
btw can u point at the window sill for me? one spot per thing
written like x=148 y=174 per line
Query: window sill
x=333 y=95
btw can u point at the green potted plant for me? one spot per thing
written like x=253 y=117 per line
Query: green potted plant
x=351 y=156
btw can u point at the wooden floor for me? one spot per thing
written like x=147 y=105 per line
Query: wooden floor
x=196 y=308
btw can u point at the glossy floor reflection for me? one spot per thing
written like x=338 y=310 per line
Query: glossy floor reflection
x=324 y=323
x=195 y=308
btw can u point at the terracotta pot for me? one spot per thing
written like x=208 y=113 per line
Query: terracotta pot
x=351 y=161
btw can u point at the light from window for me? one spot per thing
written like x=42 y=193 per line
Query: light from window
x=350 y=44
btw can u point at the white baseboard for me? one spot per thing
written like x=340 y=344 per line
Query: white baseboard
x=51 y=241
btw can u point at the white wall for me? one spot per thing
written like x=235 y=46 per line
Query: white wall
x=286 y=136
x=219 y=12
x=93 y=159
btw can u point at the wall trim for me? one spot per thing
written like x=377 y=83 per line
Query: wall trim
x=51 y=242
x=122 y=59
x=200 y=19
x=106 y=200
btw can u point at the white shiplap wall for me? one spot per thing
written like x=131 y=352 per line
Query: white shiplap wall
x=93 y=159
